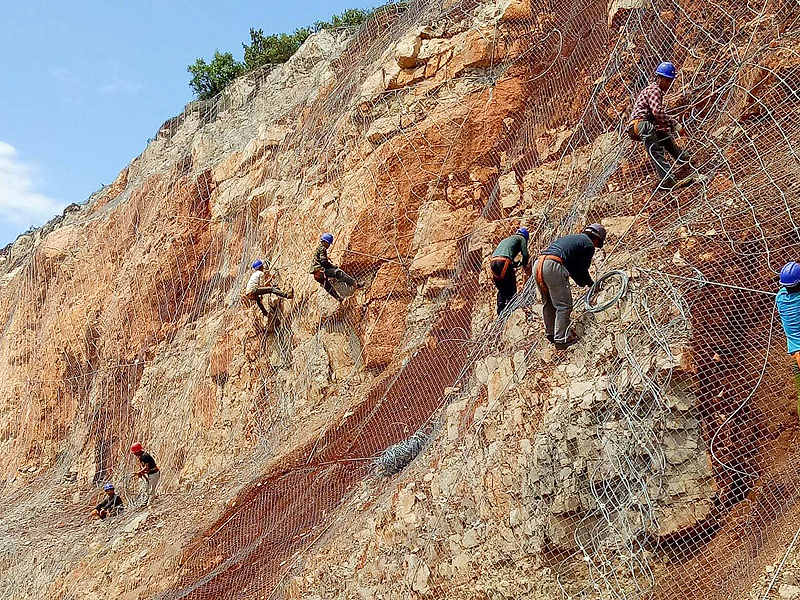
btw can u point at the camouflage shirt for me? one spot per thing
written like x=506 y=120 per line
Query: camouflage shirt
x=320 y=260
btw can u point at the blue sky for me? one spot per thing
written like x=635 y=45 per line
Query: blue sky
x=86 y=83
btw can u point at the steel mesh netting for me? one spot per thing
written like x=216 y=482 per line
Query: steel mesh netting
x=132 y=355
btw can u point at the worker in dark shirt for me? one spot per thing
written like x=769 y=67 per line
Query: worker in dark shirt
x=324 y=271
x=569 y=256
x=149 y=471
x=503 y=265
x=111 y=504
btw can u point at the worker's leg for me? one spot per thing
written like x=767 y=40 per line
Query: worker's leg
x=152 y=484
x=548 y=309
x=261 y=306
x=337 y=273
x=796 y=373
x=668 y=142
x=328 y=287
x=271 y=290
x=505 y=281
x=496 y=267
x=655 y=150
x=506 y=290
x=556 y=277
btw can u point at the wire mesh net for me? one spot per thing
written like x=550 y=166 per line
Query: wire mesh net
x=655 y=460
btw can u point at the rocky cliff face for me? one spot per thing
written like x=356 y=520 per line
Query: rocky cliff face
x=653 y=455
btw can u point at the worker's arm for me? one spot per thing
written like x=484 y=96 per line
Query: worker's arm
x=656 y=103
x=580 y=270
x=525 y=255
x=582 y=277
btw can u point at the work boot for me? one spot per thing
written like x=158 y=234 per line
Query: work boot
x=564 y=345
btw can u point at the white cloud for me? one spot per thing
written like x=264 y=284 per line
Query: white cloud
x=122 y=86
x=63 y=75
x=20 y=204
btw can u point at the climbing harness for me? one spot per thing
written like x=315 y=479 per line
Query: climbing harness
x=506 y=262
x=540 y=265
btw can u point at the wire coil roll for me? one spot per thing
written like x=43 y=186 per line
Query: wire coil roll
x=597 y=286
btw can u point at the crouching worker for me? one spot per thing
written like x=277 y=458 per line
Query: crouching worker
x=256 y=288
x=788 y=303
x=651 y=125
x=111 y=505
x=503 y=265
x=324 y=271
x=569 y=256
x=149 y=471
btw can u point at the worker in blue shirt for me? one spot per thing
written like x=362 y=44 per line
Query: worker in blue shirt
x=788 y=303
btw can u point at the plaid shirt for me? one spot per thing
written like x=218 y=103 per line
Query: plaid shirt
x=649 y=106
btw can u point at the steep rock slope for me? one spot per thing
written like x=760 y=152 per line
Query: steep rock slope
x=653 y=460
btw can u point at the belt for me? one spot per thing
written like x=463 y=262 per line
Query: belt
x=540 y=264
x=506 y=263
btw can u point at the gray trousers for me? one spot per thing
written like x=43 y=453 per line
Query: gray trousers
x=151 y=482
x=337 y=273
x=556 y=296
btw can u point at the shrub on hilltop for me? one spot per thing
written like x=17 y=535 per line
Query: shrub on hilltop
x=208 y=79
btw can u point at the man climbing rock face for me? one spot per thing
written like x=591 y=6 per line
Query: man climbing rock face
x=569 y=256
x=149 y=471
x=788 y=303
x=324 y=271
x=503 y=265
x=111 y=504
x=652 y=125
x=256 y=288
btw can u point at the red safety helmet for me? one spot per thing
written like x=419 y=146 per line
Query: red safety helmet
x=136 y=448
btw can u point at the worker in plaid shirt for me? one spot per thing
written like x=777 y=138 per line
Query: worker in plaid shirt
x=652 y=125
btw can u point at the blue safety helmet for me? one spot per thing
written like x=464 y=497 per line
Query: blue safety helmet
x=327 y=237
x=790 y=274
x=108 y=486
x=667 y=69
x=523 y=231
x=257 y=264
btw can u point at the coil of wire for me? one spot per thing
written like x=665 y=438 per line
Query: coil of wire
x=598 y=285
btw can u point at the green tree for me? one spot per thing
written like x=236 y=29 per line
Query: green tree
x=352 y=17
x=272 y=49
x=209 y=79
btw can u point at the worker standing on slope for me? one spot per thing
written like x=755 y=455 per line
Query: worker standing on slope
x=111 y=504
x=652 y=125
x=503 y=265
x=788 y=303
x=149 y=471
x=324 y=270
x=569 y=256
x=256 y=288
